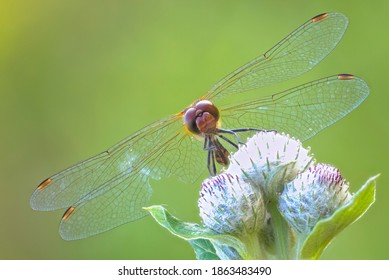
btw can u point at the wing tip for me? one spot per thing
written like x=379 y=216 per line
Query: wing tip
x=346 y=77
x=35 y=201
x=319 y=17
x=340 y=18
x=67 y=213
x=63 y=232
x=364 y=87
x=44 y=184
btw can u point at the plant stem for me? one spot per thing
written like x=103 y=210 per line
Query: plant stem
x=253 y=246
x=280 y=228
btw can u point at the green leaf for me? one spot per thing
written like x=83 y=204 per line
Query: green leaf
x=199 y=237
x=204 y=249
x=326 y=230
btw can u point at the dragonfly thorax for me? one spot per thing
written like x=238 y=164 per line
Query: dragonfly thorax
x=202 y=118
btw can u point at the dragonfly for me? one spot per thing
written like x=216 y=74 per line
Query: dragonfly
x=111 y=188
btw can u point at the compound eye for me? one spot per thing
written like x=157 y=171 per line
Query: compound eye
x=207 y=106
x=190 y=120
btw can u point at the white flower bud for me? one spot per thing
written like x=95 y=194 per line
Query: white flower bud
x=269 y=160
x=314 y=195
x=229 y=205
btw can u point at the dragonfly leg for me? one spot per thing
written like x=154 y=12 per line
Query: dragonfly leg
x=211 y=165
x=228 y=140
x=206 y=140
x=209 y=162
x=230 y=132
x=235 y=131
x=252 y=129
x=208 y=144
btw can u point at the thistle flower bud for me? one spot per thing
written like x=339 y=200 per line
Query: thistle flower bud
x=313 y=195
x=230 y=205
x=269 y=160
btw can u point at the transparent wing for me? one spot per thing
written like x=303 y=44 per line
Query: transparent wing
x=111 y=188
x=296 y=54
x=302 y=111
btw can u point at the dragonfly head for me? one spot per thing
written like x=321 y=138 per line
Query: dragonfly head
x=201 y=118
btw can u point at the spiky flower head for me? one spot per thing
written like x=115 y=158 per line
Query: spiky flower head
x=269 y=160
x=313 y=195
x=229 y=205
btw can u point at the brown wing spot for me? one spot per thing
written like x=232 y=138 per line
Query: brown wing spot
x=44 y=184
x=319 y=17
x=68 y=213
x=345 y=77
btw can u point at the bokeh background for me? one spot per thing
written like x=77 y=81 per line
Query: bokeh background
x=78 y=76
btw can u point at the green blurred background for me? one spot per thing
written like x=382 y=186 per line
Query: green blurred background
x=78 y=76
